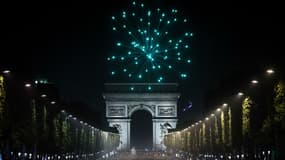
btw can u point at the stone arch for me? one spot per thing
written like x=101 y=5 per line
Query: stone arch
x=161 y=103
x=135 y=108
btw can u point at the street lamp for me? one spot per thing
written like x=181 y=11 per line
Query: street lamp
x=225 y=105
x=52 y=102
x=269 y=71
x=254 y=81
x=219 y=109
x=240 y=94
x=6 y=71
x=206 y=118
x=212 y=115
x=28 y=85
x=43 y=95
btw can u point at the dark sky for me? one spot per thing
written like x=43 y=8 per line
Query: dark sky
x=67 y=42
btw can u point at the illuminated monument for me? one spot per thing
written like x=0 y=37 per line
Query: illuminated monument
x=159 y=99
x=153 y=45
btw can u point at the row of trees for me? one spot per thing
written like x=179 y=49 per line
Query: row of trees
x=72 y=135
x=37 y=125
x=64 y=133
x=251 y=123
x=214 y=134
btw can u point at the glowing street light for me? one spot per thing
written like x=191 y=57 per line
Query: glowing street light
x=52 y=102
x=6 y=71
x=240 y=94
x=254 y=81
x=28 y=85
x=43 y=95
x=212 y=115
x=270 y=71
x=219 y=109
x=206 y=118
x=62 y=111
x=225 y=105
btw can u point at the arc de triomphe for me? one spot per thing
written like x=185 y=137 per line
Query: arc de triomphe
x=159 y=99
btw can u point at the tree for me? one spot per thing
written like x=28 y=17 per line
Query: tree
x=92 y=141
x=65 y=129
x=182 y=140
x=230 y=127
x=189 y=145
x=200 y=137
x=246 y=105
x=279 y=104
x=204 y=135
x=34 y=126
x=44 y=120
x=212 y=134
x=246 y=109
x=196 y=138
x=223 y=127
x=279 y=116
x=216 y=132
x=34 y=113
x=83 y=139
x=2 y=104
x=76 y=141
x=2 y=97
x=56 y=134
x=44 y=131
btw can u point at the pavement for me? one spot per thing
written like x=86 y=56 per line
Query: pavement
x=140 y=155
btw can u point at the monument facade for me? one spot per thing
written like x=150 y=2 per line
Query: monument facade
x=124 y=99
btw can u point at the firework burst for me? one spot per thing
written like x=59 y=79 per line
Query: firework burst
x=153 y=45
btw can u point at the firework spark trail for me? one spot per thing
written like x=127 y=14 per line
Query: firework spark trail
x=152 y=44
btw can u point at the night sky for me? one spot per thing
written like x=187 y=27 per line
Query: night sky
x=68 y=42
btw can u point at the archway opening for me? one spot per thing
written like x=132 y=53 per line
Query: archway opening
x=141 y=130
